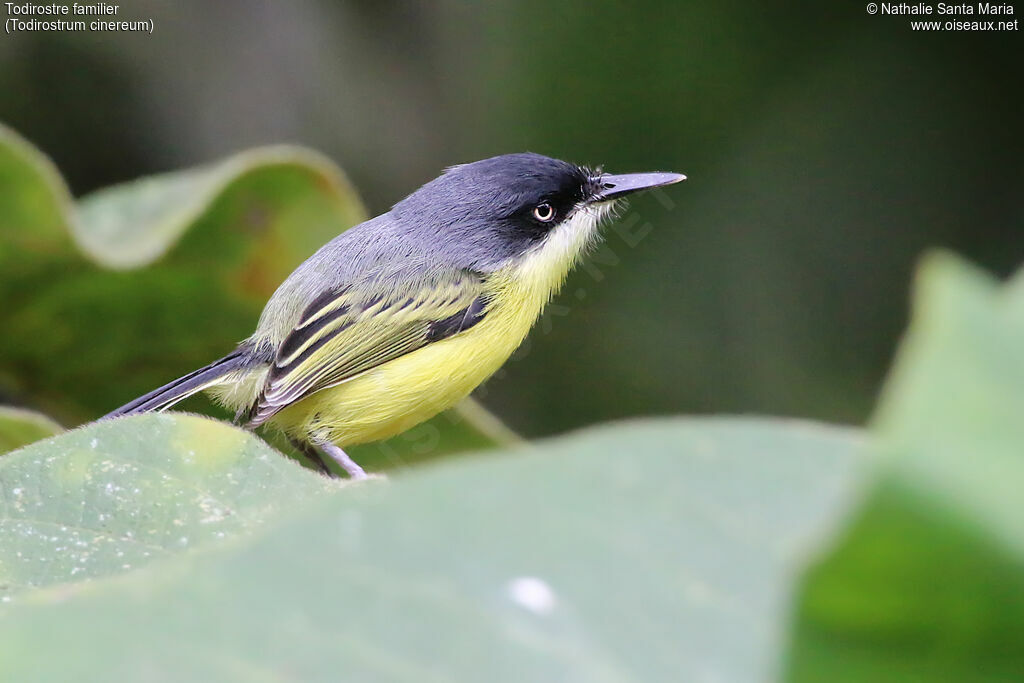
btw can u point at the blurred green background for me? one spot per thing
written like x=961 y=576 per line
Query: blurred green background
x=825 y=149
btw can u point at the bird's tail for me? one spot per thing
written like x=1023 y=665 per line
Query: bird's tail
x=183 y=387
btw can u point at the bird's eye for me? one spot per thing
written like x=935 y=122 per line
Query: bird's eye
x=545 y=213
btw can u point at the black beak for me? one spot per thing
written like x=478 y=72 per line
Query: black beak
x=615 y=186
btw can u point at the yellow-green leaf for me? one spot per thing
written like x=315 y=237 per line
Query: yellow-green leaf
x=652 y=551
x=19 y=427
x=927 y=584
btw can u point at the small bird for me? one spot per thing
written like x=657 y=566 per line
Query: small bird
x=402 y=316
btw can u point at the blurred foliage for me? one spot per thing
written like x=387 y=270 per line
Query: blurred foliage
x=19 y=427
x=120 y=292
x=825 y=149
x=927 y=584
x=499 y=568
x=189 y=260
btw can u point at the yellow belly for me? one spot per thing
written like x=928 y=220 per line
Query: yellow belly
x=400 y=394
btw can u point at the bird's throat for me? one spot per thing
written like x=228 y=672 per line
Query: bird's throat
x=543 y=269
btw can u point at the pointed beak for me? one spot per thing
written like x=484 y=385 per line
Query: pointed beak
x=616 y=186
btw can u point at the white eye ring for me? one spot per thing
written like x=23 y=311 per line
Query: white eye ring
x=545 y=213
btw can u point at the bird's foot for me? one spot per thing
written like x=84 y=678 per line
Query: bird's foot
x=342 y=458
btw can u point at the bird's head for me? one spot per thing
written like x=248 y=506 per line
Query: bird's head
x=519 y=208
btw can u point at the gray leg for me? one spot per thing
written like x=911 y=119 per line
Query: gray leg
x=311 y=453
x=341 y=457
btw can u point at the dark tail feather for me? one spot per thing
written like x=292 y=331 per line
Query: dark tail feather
x=183 y=387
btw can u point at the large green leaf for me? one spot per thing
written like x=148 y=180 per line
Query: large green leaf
x=134 y=285
x=215 y=242
x=19 y=427
x=662 y=550
x=119 y=494
x=928 y=582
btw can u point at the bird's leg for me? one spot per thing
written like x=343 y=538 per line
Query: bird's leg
x=341 y=457
x=308 y=450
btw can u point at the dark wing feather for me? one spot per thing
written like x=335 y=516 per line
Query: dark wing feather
x=340 y=336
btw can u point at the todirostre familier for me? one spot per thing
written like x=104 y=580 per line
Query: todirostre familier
x=402 y=316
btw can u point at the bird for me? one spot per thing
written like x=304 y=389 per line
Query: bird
x=404 y=315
